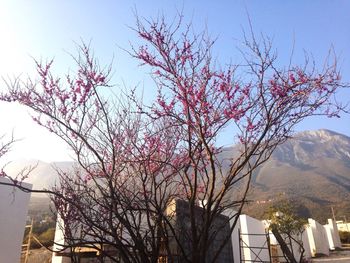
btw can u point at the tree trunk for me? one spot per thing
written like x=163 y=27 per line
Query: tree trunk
x=284 y=246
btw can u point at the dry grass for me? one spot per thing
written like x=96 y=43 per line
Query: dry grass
x=41 y=255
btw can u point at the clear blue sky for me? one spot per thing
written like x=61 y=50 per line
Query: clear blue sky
x=47 y=29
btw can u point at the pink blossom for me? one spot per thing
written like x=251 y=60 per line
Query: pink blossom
x=292 y=78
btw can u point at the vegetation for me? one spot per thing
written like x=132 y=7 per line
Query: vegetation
x=44 y=234
x=288 y=228
x=344 y=237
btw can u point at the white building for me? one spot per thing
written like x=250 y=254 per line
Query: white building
x=13 y=214
x=343 y=226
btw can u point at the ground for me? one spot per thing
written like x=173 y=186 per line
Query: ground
x=341 y=256
x=41 y=255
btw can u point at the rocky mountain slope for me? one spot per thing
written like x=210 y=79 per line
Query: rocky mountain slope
x=312 y=169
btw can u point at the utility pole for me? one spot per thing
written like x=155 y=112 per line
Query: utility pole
x=333 y=214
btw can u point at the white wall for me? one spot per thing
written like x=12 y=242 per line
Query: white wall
x=251 y=226
x=317 y=238
x=59 y=239
x=13 y=214
x=332 y=235
x=234 y=235
x=295 y=246
x=306 y=244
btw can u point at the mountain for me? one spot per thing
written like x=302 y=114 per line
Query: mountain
x=43 y=175
x=312 y=169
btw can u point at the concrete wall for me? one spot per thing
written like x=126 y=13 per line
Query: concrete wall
x=58 y=242
x=235 y=234
x=317 y=236
x=296 y=249
x=306 y=244
x=13 y=214
x=219 y=232
x=253 y=235
x=332 y=235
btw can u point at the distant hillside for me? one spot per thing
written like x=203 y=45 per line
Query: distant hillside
x=312 y=169
x=43 y=176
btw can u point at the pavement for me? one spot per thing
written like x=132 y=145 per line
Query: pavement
x=340 y=256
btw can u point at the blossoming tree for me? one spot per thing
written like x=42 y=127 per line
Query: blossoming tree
x=134 y=159
x=4 y=149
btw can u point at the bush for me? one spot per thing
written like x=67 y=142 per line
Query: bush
x=344 y=236
x=47 y=237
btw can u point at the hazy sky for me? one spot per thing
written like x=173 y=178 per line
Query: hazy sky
x=50 y=29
